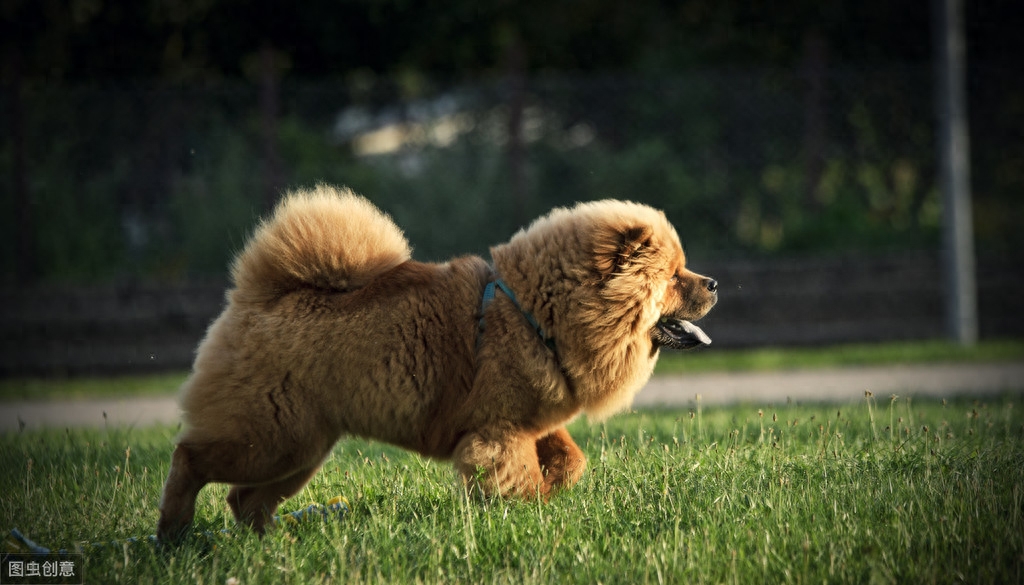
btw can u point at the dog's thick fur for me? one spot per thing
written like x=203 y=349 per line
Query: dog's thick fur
x=331 y=329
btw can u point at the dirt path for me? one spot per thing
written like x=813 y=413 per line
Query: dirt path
x=835 y=385
x=832 y=385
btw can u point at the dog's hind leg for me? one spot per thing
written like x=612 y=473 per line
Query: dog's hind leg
x=178 y=503
x=561 y=460
x=255 y=505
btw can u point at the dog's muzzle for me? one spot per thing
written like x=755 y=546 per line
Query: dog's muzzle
x=679 y=334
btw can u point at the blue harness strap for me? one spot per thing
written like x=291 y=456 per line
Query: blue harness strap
x=489 y=296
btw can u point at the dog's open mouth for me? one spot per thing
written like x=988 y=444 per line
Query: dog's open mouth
x=679 y=334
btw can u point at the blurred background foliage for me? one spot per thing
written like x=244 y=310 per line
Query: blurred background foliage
x=141 y=140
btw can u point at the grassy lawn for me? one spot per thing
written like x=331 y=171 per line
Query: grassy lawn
x=89 y=387
x=908 y=352
x=671 y=362
x=887 y=491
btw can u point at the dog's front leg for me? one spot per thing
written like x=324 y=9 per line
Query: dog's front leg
x=561 y=460
x=502 y=463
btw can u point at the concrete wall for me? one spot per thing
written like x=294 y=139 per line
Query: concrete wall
x=121 y=329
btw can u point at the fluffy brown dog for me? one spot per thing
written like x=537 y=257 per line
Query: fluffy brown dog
x=332 y=329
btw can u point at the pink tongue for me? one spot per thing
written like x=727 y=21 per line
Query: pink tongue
x=697 y=332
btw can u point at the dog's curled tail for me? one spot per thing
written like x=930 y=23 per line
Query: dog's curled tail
x=324 y=238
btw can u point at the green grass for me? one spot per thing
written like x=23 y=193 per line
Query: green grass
x=90 y=387
x=909 y=352
x=891 y=491
x=707 y=360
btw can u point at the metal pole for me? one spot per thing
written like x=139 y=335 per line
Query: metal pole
x=954 y=158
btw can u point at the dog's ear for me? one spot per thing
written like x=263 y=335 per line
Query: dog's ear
x=621 y=248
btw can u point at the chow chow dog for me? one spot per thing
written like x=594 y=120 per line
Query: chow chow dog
x=332 y=329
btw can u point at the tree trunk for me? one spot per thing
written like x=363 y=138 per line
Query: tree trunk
x=813 y=71
x=955 y=172
x=270 y=92
x=27 y=267
x=515 y=63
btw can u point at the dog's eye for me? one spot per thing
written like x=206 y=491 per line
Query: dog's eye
x=675 y=278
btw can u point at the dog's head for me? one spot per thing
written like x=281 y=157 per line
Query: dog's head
x=607 y=281
x=642 y=260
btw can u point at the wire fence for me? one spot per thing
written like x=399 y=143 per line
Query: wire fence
x=153 y=182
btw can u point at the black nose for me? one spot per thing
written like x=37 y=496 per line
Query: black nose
x=712 y=285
